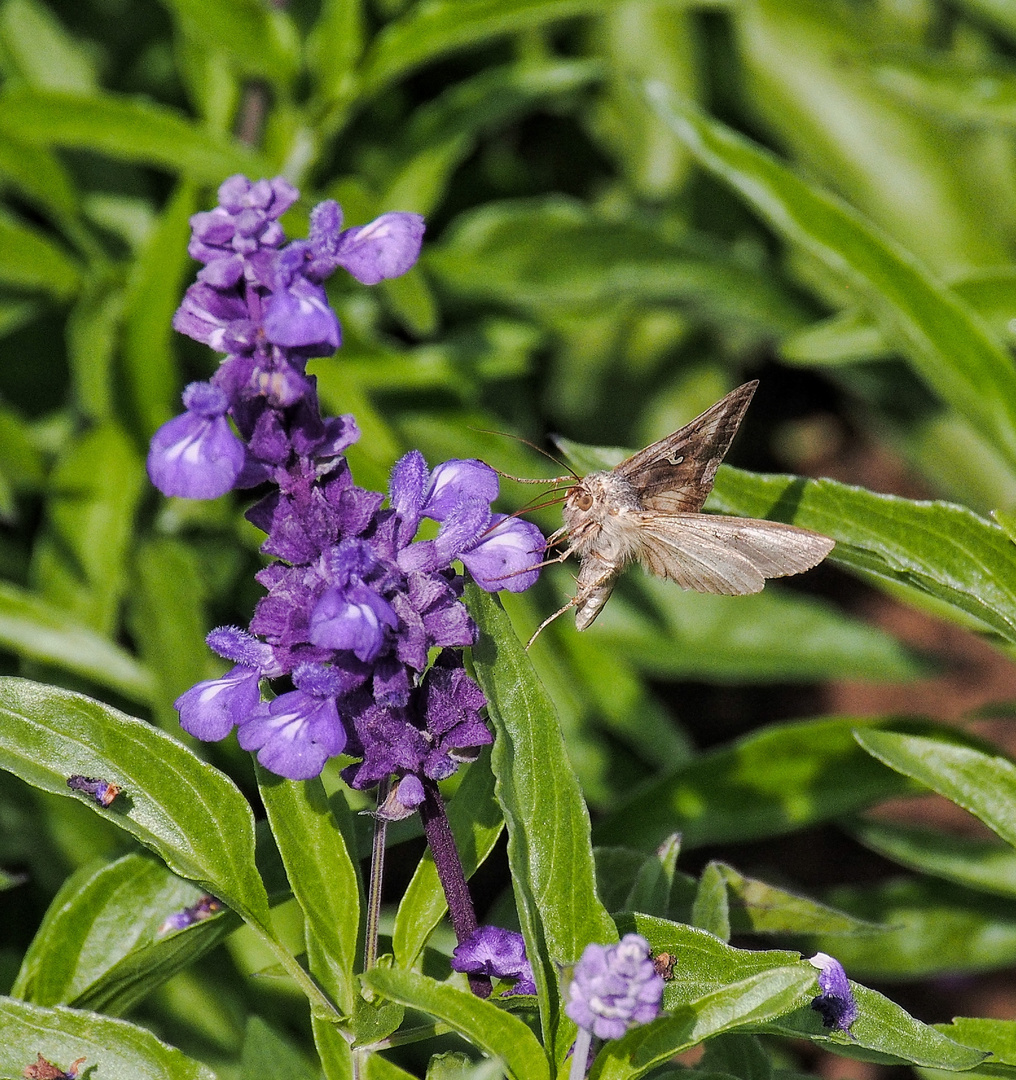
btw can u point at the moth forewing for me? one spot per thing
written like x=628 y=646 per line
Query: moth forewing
x=646 y=509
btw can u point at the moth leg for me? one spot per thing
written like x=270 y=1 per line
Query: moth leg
x=546 y=622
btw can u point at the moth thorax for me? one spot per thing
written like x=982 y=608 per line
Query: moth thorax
x=595 y=508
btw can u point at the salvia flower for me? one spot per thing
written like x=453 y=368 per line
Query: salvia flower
x=496 y=953
x=614 y=987
x=836 y=1004
x=356 y=608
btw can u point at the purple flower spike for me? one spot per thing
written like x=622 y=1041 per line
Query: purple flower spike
x=506 y=556
x=295 y=734
x=196 y=455
x=496 y=953
x=385 y=248
x=614 y=987
x=836 y=1003
x=211 y=709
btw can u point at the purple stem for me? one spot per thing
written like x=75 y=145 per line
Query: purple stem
x=449 y=870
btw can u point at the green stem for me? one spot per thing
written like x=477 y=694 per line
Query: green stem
x=297 y=973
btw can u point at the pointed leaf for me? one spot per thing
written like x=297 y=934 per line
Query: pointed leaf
x=99 y=945
x=494 y=1031
x=882 y=1032
x=984 y=784
x=111 y=1047
x=948 y=346
x=986 y=865
x=131 y=129
x=189 y=813
x=322 y=876
x=770 y=783
x=546 y=817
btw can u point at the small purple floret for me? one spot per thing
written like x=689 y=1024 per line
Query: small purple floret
x=102 y=791
x=615 y=987
x=211 y=709
x=295 y=734
x=836 y=1004
x=496 y=953
x=196 y=455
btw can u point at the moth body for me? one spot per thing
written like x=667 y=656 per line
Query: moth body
x=598 y=513
x=648 y=508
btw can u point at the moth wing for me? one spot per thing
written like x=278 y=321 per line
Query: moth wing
x=594 y=585
x=727 y=555
x=676 y=474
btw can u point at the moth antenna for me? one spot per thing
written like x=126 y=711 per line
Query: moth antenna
x=539 y=449
x=530 y=479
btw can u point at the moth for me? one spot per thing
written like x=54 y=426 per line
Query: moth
x=647 y=510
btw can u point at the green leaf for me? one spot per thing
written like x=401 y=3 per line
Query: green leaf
x=93 y=330
x=99 y=945
x=129 y=129
x=756 y=907
x=996 y=1037
x=984 y=784
x=936 y=552
x=774 y=636
x=751 y=1001
x=36 y=630
x=476 y=822
x=334 y=46
x=430 y=30
x=322 y=875
x=259 y=40
x=854 y=335
x=946 y=344
x=167 y=620
x=266 y=1054
x=110 y=1047
x=30 y=260
x=153 y=293
x=189 y=813
x=495 y=1032
x=883 y=1032
x=39 y=175
x=498 y=253
x=546 y=817
x=654 y=881
x=932 y=928
x=711 y=910
x=985 y=865
x=80 y=561
x=770 y=783
x=41 y=51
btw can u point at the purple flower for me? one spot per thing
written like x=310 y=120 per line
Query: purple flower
x=295 y=734
x=196 y=455
x=353 y=618
x=385 y=248
x=506 y=556
x=211 y=709
x=836 y=1003
x=497 y=953
x=614 y=987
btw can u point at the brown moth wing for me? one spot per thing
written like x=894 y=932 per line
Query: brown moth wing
x=727 y=555
x=676 y=474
